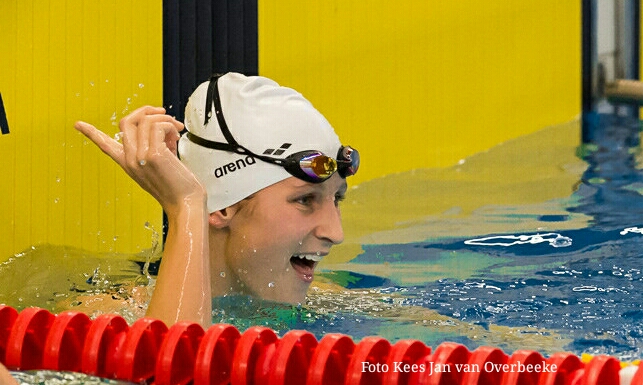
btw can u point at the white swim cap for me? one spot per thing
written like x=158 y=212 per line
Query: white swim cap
x=261 y=116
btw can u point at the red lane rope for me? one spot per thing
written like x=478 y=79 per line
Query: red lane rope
x=185 y=353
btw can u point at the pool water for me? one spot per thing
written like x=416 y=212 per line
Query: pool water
x=568 y=272
x=533 y=244
x=48 y=377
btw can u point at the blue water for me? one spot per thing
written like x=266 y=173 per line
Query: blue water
x=584 y=285
x=592 y=290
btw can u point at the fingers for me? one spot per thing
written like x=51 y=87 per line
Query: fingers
x=148 y=154
x=152 y=136
x=142 y=113
x=163 y=138
x=108 y=145
x=145 y=110
x=146 y=131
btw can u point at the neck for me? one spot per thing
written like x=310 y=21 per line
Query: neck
x=223 y=279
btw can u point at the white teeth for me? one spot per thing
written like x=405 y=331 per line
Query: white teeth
x=310 y=257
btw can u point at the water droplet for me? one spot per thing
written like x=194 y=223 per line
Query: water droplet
x=254 y=250
x=106 y=80
x=91 y=84
x=56 y=200
x=222 y=274
x=271 y=284
x=142 y=162
x=141 y=85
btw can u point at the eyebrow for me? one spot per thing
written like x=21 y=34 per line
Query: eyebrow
x=342 y=188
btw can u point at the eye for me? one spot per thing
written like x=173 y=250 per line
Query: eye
x=306 y=200
x=339 y=197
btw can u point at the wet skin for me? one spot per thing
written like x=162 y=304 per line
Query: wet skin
x=277 y=236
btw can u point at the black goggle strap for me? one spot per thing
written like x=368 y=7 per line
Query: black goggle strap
x=291 y=164
x=213 y=97
x=238 y=149
x=344 y=164
x=232 y=145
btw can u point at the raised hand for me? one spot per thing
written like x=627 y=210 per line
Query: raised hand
x=148 y=155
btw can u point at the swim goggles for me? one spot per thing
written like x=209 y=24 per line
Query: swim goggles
x=311 y=166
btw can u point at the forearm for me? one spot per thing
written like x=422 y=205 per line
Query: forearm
x=182 y=289
x=5 y=377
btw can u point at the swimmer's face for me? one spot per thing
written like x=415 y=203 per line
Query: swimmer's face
x=278 y=236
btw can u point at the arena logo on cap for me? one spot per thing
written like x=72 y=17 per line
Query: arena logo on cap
x=234 y=166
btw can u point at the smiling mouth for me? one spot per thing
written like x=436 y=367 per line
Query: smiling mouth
x=304 y=265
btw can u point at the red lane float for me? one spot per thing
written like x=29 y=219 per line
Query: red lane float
x=253 y=345
x=26 y=341
x=103 y=344
x=638 y=377
x=8 y=317
x=140 y=350
x=567 y=366
x=447 y=365
x=330 y=360
x=65 y=342
x=177 y=357
x=487 y=361
x=366 y=365
x=214 y=357
x=185 y=353
x=403 y=360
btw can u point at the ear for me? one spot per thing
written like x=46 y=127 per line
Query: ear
x=222 y=218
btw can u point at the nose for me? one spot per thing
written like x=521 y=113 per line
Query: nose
x=329 y=227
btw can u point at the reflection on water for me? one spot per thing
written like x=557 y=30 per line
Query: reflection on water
x=59 y=278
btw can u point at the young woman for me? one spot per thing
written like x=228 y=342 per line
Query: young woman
x=253 y=203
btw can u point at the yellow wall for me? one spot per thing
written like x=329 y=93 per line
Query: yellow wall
x=414 y=84
x=61 y=61
x=425 y=83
